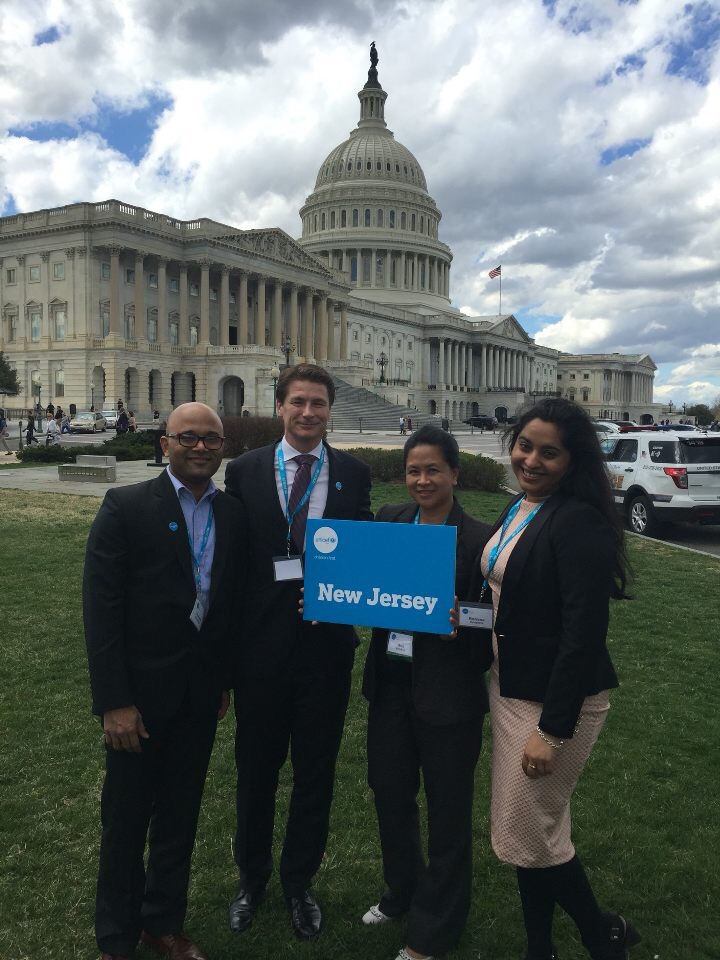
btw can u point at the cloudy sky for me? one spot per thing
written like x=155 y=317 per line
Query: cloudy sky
x=575 y=142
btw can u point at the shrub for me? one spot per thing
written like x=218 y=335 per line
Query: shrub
x=54 y=454
x=124 y=446
x=476 y=472
x=248 y=433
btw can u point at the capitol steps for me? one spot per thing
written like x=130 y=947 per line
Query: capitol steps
x=353 y=404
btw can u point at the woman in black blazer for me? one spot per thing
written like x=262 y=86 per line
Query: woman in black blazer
x=554 y=559
x=426 y=714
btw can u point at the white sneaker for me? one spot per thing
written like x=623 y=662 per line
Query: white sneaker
x=375 y=916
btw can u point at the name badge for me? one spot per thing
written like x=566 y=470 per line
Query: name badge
x=197 y=614
x=476 y=615
x=287 y=568
x=400 y=645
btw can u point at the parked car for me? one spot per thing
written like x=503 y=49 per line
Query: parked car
x=483 y=420
x=680 y=427
x=603 y=427
x=87 y=423
x=668 y=476
x=110 y=418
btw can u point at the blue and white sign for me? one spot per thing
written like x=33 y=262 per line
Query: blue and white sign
x=395 y=575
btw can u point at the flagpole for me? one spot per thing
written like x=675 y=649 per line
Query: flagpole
x=500 y=305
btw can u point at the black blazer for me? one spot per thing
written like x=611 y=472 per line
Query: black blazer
x=138 y=592
x=275 y=637
x=447 y=675
x=552 y=621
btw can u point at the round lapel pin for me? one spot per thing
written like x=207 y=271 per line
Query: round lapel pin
x=172 y=526
x=338 y=486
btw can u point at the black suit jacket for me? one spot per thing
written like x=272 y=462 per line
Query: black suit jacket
x=552 y=621
x=138 y=591
x=447 y=675
x=275 y=637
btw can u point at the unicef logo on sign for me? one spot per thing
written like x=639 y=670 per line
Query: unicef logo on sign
x=325 y=539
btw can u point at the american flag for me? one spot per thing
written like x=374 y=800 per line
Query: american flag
x=495 y=273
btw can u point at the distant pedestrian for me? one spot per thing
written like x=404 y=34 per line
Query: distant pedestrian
x=156 y=415
x=123 y=421
x=30 y=437
x=409 y=424
x=53 y=431
x=64 y=423
x=403 y=427
x=4 y=433
x=132 y=423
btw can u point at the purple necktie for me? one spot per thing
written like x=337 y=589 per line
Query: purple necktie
x=299 y=487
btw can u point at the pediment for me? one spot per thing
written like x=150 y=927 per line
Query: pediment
x=275 y=245
x=510 y=329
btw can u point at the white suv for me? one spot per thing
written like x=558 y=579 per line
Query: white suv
x=664 y=475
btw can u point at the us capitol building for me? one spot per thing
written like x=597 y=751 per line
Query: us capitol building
x=101 y=301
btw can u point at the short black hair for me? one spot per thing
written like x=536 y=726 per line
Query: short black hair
x=304 y=371
x=432 y=436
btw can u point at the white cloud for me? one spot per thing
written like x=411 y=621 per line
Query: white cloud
x=508 y=115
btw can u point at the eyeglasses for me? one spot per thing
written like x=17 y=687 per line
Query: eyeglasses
x=212 y=441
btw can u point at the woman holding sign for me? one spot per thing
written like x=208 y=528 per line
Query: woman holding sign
x=554 y=559
x=427 y=704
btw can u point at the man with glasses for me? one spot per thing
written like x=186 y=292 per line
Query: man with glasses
x=162 y=579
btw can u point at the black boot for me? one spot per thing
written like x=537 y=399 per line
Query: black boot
x=621 y=936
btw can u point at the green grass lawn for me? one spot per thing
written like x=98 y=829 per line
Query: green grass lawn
x=646 y=811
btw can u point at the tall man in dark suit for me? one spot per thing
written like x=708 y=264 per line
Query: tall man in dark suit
x=158 y=593
x=295 y=679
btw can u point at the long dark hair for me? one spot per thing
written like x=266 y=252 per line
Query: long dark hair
x=587 y=477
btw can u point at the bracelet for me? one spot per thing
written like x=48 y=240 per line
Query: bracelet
x=546 y=739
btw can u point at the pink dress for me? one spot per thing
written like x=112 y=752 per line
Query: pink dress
x=530 y=819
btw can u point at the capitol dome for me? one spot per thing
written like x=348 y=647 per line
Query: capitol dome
x=371 y=217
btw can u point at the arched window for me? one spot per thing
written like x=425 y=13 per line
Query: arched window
x=353 y=269
x=378 y=165
x=322 y=221
x=403 y=221
x=380 y=218
x=422 y=224
x=332 y=219
x=343 y=218
x=413 y=222
x=355 y=218
x=392 y=219
x=367 y=216
x=315 y=224
x=369 y=164
x=358 y=165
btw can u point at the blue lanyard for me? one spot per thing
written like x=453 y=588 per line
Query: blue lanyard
x=502 y=542
x=417 y=518
x=198 y=558
x=305 y=497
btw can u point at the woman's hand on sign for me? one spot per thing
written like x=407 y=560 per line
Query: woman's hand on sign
x=454 y=621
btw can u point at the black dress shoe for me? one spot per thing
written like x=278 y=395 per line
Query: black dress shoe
x=305 y=916
x=243 y=909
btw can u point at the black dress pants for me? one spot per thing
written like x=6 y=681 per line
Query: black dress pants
x=304 y=714
x=436 y=895
x=154 y=797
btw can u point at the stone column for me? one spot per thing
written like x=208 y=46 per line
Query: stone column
x=276 y=319
x=307 y=320
x=242 y=296
x=293 y=325
x=204 y=332
x=115 y=319
x=483 y=366
x=441 y=363
x=162 y=334
x=321 y=333
x=184 y=332
x=401 y=285
x=224 y=331
x=373 y=266
x=470 y=371
x=260 y=315
x=343 y=332
x=140 y=315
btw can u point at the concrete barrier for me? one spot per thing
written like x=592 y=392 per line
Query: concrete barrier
x=89 y=468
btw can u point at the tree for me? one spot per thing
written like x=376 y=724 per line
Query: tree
x=701 y=412
x=716 y=407
x=8 y=377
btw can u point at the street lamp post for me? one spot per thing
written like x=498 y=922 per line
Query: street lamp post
x=287 y=348
x=275 y=373
x=382 y=361
x=92 y=396
x=40 y=408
